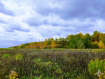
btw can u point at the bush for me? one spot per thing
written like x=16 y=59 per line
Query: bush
x=94 y=45
x=47 y=68
x=19 y=56
x=96 y=65
x=6 y=56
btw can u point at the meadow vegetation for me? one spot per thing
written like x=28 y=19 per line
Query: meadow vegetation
x=52 y=63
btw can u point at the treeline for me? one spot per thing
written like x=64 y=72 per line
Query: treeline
x=77 y=41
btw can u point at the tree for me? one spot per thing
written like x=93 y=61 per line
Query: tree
x=71 y=42
x=95 y=36
x=77 y=38
x=72 y=45
x=61 y=42
x=40 y=44
x=103 y=41
x=49 y=41
x=70 y=37
x=53 y=44
x=81 y=35
x=101 y=44
x=44 y=47
x=94 y=45
x=87 y=40
x=15 y=47
x=22 y=46
x=27 y=47
x=81 y=45
x=45 y=42
x=102 y=37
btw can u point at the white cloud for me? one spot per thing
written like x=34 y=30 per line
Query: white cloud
x=17 y=28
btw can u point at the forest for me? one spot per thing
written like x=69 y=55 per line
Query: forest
x=77 y=41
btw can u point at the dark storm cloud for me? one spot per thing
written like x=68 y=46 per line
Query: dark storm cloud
x=81 y=9
x=4 y=10
x=33 y=21
x=14 y=27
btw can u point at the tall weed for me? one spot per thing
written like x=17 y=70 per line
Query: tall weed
x=19 y=56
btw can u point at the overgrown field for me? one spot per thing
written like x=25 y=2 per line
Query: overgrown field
x=51 y=63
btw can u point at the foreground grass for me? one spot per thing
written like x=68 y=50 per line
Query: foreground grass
x=48 y=63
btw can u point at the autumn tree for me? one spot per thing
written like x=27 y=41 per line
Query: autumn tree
x=22 y=46
x=45 y=42
x=81 y=35
x=53 y=44
x=101 y=44
x=96 y=40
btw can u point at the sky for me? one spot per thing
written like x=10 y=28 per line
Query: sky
x=24 y=21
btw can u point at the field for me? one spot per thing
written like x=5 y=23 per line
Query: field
x=48 y=63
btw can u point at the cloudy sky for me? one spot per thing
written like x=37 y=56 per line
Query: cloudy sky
x=23 y=21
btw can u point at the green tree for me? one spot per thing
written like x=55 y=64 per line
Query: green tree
x=81 y=45
x=87 y=40
x=22 y=46
x=94 y=45
x=61 y=42
x=71 y=42
x=77 y=38
x=95 y=36
x=15 y=47
x=102 y=37
x=49 y=41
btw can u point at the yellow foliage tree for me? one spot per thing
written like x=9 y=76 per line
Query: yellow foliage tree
x=53 y=44
x=101 y=44
x=27 y=47
x=96 y=42
x=40 y=45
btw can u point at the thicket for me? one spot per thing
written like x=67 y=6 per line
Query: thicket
x=50 y=64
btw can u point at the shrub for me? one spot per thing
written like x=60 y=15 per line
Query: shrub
x=19 y=56
x=13 y=75
x=62 y=49
x=6 y=56
x=47 y=68
x=94 y=45
x=96 y=65
x=38 y=49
